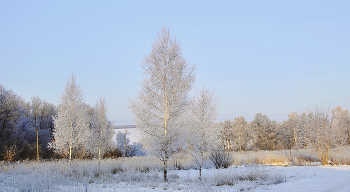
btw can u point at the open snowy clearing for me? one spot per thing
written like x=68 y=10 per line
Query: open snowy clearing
x=132 y=133
x=312 y=178
x=85 y=176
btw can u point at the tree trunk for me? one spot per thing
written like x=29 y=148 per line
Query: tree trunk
x=165 y=170
x=70 y=154
x=290 y=153
x=125 y=145
x=240 y=143
x=37 y=144
x=200 y=166
x=200 y=172
x=99 y=158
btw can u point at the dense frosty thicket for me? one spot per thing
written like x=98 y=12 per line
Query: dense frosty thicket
x=18 y=123
x=323 y=130
x=79 y=127
x=10 y=115
x=317 y=128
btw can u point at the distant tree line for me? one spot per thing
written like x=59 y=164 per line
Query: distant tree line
x=318 y=128
x=73 y=129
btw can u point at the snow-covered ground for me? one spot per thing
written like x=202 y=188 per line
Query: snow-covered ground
x=145 y=174
x=312 y=178
x=133 y=134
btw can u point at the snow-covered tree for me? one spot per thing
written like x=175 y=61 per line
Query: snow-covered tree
x=26 y=138
x=11 y=112
x=18 y=121
x=290 y=131
x=227 y=135
x=72 y=120
x=203 y=134
x=240 y=132
x=321 y=132
x=342 y=122
x=123 y=144
x=164 y=97
x=41 y=114
x=101 y=129
x=265 y=132
x=138 y=149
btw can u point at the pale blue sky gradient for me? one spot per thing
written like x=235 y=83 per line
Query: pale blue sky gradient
x=272 y=57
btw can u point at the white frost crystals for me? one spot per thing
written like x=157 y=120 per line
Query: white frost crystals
x=71 y=122
x=203 y=134
x=164 y=97
x=101 y=132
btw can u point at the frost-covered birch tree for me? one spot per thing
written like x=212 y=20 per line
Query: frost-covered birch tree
x=342 y=122
x=123 y=144
x=164 y=97
x=203 y=134
x=101 y=129
x=227 y=135
x=290 y=132
x=321 y=131
x=240 y=132
x=72 y=121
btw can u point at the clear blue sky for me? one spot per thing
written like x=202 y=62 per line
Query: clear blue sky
x=272 y=57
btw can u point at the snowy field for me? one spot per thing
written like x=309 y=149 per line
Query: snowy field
x=251 y=171
x=312 y=178
x=145 y=174
x=133 y=134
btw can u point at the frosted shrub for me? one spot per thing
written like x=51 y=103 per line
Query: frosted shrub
x=184 y=161
x=279 y=158
x=259 y=174
x=340 y=155
x=221 y=159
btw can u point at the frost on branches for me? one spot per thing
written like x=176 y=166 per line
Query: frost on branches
x=101 y=134
x=10 y=115
x=323 y=130
x=163 y=98
x=72 y=120
x=203 y=134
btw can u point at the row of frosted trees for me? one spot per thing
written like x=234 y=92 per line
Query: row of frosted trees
x=317 y=128
x=73 y=129
x=81 y=130
x=24 y=126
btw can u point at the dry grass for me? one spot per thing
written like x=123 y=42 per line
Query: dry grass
x=301 y=157
x=147 y=171
x=138 y=171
